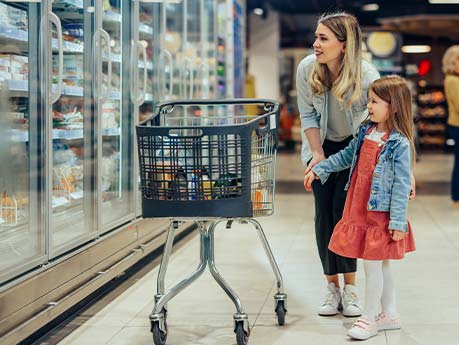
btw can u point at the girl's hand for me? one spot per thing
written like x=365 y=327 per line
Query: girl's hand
x=413 y=188
x=397 y=235
x=308 y=179
x=316 y=158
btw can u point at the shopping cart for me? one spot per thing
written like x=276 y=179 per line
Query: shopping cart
x=209 y=162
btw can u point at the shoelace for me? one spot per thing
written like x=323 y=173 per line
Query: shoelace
x=329 y=299
x=351 y=298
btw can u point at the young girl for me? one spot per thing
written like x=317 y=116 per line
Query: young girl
x=374 y=225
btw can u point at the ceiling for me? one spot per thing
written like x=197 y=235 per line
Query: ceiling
x=409 y=17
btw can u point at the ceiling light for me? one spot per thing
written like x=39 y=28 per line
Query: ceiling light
x=443 y=2
x=371 y=7
x=258 y=11
x=413 y=49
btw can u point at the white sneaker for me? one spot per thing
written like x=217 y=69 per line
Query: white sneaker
x=363 y=329
x=351 y=304
x=386 y=323
x=332 y=302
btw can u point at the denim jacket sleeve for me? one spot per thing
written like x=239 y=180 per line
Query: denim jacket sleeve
x=401 y=187
x=337 y=162
x=309 y=116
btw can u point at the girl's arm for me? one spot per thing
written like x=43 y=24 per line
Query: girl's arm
x=337 y=162
x=401 y=187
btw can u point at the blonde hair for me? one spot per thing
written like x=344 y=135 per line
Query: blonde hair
x=394 y=90
x=451 y=54
x=346 y=29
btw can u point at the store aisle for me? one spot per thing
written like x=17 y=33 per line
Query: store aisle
x=427 y=280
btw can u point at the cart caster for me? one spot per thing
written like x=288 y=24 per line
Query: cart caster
x=280 y=311
x=159 y=334
x=159 y=337
x=241 y=335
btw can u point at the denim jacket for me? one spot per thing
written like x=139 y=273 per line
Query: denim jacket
x=314 y=109
x=391 y=183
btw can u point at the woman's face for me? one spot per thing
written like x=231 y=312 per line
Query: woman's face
x=378 y=109
x=328 y=49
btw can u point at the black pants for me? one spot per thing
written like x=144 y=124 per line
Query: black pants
x=329 y=200
x=454 y=134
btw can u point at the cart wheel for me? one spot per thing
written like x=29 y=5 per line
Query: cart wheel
x=159 y=337
x=280 y=311
x=241 y=335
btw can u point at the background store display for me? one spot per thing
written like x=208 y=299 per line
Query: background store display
x=433 y=113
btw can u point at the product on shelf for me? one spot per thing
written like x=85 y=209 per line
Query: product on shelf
x=8 y=209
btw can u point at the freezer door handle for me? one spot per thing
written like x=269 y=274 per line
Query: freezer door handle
x=143 y=47
x=137 y=95
x=106 y=37
x=187 y=69
x=57 y=23
x=165 y=54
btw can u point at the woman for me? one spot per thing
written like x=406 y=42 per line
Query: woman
x=332 y=88
x=451 y=69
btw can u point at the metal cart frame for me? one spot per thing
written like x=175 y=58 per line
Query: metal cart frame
x=207 y=225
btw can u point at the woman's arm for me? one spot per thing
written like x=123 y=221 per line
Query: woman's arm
x=310 y=118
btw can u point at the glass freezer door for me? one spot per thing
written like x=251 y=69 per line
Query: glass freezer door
x=114 y=129
x=22 y=236
x=70 y=126
x=146 y=84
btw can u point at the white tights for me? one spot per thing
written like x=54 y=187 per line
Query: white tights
x=379 y=289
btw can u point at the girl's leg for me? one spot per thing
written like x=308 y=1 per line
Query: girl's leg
x=388 y=300
x=366 y=327
x=373 y=288
x=389 y=318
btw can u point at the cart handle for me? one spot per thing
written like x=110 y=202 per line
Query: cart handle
x=233 y=101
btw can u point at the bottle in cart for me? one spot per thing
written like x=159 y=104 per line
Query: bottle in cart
x=178 y=186
x=206 y=184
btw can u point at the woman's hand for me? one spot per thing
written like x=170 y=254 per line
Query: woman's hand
x=308 y=179
x=316 y=158
x=413 y=188
x=397 y=235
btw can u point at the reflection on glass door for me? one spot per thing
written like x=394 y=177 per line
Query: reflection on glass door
x=146 y=86
x=70 y=121
x=172 y=56
x=22 y=239
x=114 y=128
x=208 y=53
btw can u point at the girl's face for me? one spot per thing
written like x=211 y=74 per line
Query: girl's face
x=328 y=49
x=378 y=108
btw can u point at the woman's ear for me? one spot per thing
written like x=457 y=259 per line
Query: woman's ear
x=343 y=47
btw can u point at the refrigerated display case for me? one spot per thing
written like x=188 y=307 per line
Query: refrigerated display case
x=75 y=78
x=22 y=233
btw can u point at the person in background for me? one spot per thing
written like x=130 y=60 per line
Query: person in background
x=374 y=226
x=332 y=86
x=451 y=70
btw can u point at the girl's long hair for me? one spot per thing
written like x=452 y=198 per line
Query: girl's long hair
x=394 y=90
x=346 y=29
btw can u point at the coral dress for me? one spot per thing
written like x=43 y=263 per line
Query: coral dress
x=361 y=233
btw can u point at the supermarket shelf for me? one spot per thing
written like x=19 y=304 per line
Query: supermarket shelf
x=21 y=88
x=66 y=134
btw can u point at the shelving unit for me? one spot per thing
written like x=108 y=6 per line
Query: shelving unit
x=432 y=113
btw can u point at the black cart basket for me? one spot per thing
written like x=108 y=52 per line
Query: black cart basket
x=205 y=159
x=212 y=161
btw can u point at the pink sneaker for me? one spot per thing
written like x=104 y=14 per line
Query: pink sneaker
x=386 y=323
x=363 y=329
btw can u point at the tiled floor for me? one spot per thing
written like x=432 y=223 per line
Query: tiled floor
x=427 y=280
